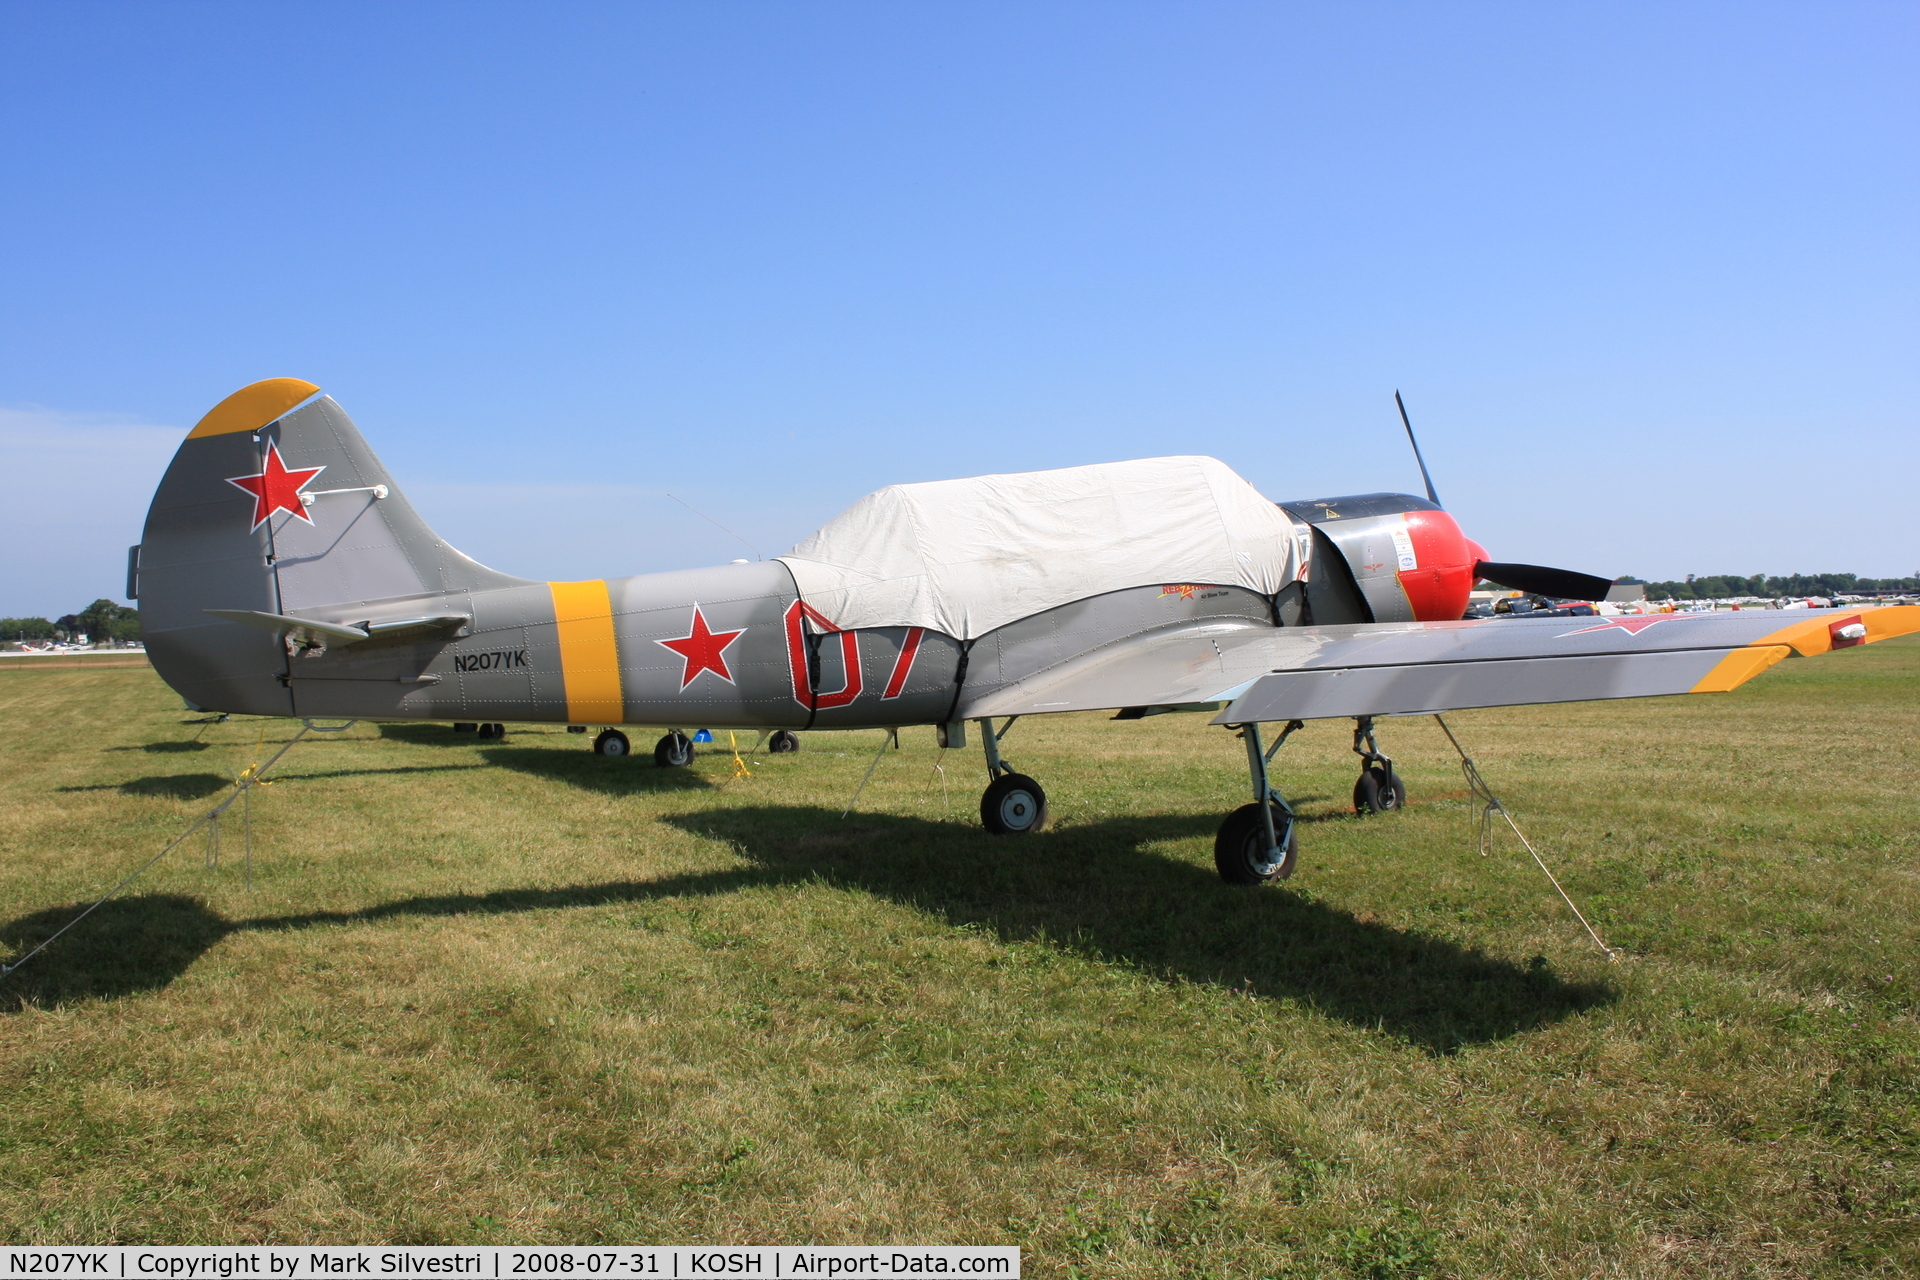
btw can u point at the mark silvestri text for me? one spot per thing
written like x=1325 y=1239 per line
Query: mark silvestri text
x=232 y=1262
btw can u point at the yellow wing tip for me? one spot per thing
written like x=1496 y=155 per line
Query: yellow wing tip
x=1815 y=636
x=1888 y=621
x=1820 y=633
x=253 y=406
x=1739 y=666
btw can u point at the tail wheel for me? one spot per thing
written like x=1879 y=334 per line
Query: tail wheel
x=1240 y=848
x=783 y=742
x=1013 y=805
x=612 y=743
x=1379 y=791
x=673 y=751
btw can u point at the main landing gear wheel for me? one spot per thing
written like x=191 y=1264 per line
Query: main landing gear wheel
x=1013 y=805
x=673 y=751
x=1378 y=791
x=782 y=742
x=493 y=731
x=612 y=744
x=1240 y=847
x=464 y=726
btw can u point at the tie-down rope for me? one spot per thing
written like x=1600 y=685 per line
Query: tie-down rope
x=1490 y=805
x=252 y=776
x=891 y=740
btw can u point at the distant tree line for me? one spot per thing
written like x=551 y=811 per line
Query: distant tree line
x=100 y=621
x=1721 y=585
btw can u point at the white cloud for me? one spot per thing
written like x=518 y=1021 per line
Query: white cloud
x=74 y=491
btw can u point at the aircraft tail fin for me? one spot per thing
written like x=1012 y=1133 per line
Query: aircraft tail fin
x=274 y=505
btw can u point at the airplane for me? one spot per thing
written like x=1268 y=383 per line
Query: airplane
x=282 y=572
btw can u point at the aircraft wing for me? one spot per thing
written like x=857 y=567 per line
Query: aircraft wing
x=1304 y=673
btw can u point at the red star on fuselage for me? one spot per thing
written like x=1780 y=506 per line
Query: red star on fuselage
x=276 y=488
x=704 y=650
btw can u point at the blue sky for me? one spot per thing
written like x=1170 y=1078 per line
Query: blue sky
x=1646 y=274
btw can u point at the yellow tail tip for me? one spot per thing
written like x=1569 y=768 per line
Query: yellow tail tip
x=253 y=407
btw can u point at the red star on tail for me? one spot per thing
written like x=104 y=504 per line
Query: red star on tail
x=704 y=650
x=276 y=488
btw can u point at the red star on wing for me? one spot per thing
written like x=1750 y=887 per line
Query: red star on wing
x=704 y=650
x=1631 y=624
x=276 y=488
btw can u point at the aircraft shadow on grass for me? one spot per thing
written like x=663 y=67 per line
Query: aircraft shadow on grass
x=199 y=786
x=590 y=772
x=176 y=786
x=424 y=735
x=1105 y=891
x=1099 y=890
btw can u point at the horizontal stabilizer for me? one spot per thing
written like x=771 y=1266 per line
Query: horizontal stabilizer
x=341 y=633
x=280 y=624
x=396 y=627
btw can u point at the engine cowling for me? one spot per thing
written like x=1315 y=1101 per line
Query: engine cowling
x=1385 y=557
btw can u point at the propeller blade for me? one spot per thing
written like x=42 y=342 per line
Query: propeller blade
x=1539 y=580
x=1432 y=497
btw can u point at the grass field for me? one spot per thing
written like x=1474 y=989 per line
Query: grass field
x=511 y=992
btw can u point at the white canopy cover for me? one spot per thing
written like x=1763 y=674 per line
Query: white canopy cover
x=967 y=556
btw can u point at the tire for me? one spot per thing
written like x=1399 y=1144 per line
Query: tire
x=675 y=751
x=486 y=731
x=1013 y=805
x=1379 y=791
x=782 y=742
x=1239 y=849
x=464 y=726
x=612 y=744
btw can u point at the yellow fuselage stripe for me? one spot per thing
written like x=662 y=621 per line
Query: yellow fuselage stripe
x=589 y=657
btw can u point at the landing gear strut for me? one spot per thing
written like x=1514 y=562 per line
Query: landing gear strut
x=673 y=751
x=1256 y=843
x=1013 y=803
x=1379 y=789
